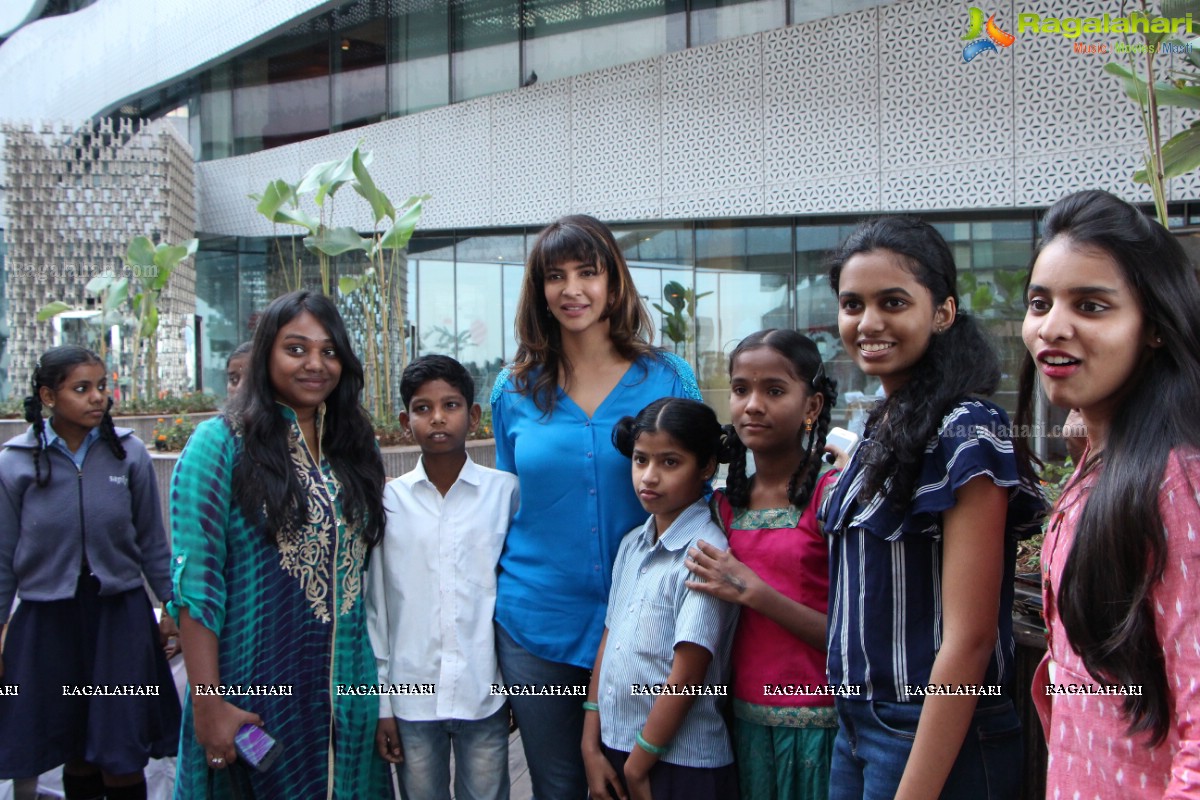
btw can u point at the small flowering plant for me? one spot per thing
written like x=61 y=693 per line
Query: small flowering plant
x=172 y=433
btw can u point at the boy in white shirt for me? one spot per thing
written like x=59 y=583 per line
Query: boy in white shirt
x=432 y=594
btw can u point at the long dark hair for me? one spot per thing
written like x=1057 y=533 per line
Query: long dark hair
x=958 y=363
x=50 y=371
x=802 y=353
x=689 y=422
x=264 y=484
x=536 y=367
x=1119 y=550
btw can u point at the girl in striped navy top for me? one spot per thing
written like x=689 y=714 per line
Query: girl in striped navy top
x=923 y=525
x=655 y=727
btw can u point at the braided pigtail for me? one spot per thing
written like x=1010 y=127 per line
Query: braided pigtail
x=33 y=415
x=108 y=432
x=804 y=480
x=733 y=452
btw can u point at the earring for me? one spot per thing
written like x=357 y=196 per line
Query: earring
x=808 y=426
x=1158 y=340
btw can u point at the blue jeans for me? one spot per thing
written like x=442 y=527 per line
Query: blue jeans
x=875 y=738
x=480 y=758
x=551 y=727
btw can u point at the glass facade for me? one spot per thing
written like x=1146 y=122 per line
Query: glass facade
x=708 y=285
x=371 y=60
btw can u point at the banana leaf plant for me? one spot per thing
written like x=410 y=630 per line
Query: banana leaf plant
x=1151 y=86
x=153 y=265
x=375 y=291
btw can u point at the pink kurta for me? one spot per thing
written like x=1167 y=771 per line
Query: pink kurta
x=1091 y=756
x=794 y=560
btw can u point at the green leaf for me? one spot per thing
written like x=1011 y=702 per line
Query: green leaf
x=296 y=216
x=1177 y=9
x=1181 y=153
x=98 y=285
x=140 y=252
x=381 y=206
x=115 y=297
x=1168 y=94
x=330 y=176
x=52 y=310
x=277 y=194
x=150 y=321
x=397 y=236
x=981 y=298
x=336 y=241
x=348 y=284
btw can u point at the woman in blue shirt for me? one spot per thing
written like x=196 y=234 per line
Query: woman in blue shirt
x=584 y=361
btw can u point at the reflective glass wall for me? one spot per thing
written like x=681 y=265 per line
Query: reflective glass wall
x=707 y=284
x=370 y=60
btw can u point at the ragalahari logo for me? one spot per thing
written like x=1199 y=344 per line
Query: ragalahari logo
x=992 y=35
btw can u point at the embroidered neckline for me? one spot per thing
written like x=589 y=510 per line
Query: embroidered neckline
x=748 y=519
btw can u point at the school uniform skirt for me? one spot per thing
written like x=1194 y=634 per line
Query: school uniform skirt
x=86 y=678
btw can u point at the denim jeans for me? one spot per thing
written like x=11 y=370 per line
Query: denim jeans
x=875 y=738
x=551 y=726
x=480 y=758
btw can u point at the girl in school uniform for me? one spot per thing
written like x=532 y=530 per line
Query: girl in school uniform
x=923 y=526
x=654 y=727
x=80 y=528
x=777 y=566
x=1111 y=330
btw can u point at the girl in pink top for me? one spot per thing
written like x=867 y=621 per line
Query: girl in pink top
x=1112 y=330
x=777 y=567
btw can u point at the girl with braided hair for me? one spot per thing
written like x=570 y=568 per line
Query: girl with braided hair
x=80 y=525
x=777 y=567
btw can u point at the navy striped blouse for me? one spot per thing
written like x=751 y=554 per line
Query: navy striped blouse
x=885 y=603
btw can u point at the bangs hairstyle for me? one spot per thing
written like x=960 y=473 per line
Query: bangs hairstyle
x=539 y=363
x=689 y=422
x=959 y=362
x=804 y=358
x=51 y=371
x=264 y=483
x=1120 y=549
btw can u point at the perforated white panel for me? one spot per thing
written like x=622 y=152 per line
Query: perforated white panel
x=531 y=154
x=712 y=130
x=618 y=111
x=868 y=111
x=821 y=116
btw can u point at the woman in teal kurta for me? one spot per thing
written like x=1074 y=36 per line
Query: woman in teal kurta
x=274 y=597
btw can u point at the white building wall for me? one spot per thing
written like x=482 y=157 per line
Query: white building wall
x=873 y=111
x=865 y=112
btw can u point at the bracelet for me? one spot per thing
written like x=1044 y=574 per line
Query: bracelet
x=588 y=705
x=652 y=749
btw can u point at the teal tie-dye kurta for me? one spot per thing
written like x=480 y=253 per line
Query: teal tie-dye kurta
x=287 y=616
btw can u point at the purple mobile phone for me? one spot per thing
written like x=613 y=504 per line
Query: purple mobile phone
x=256 y=747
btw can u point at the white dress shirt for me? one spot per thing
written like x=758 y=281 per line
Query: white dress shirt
x=433 y=593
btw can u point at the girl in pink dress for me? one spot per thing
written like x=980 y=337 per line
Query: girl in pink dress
x=1112 y=330
x=777 y=567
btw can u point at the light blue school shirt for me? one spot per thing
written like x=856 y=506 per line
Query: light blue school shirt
x=54 y=440
x=577 y=501
x=651 y=611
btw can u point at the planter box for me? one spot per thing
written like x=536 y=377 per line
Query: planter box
x=143 y=426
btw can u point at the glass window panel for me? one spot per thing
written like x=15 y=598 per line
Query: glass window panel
x=571 y=37
x=479 y=331
x=743 y=247
x=282 y=93
x=216 y=113
x=359 y=85
x=217 y=289
x=513 y=277
x=715 y=20
x=487 y=56
x=669 y=245
x=420 y=61
x=435 y=302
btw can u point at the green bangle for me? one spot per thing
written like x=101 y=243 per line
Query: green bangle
x=588 y=705
x=652 y=749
